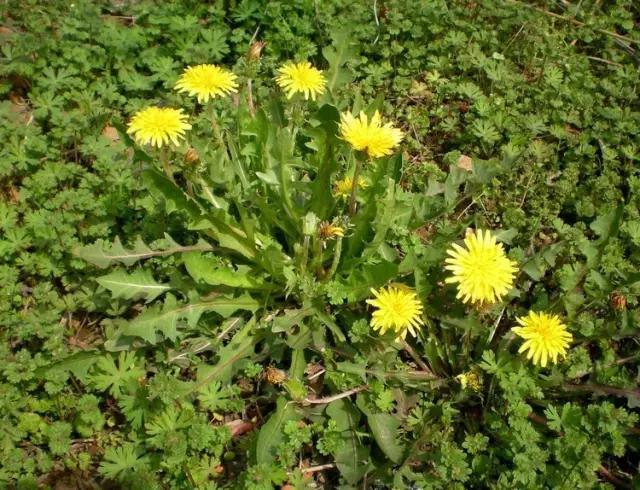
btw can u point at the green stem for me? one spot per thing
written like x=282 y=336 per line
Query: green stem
x=295 y=119
x=354 y=188
x=284 y=181
x=336 y=258
x=252 y=109
x=208 y=194
x=316 y=261
x=166 y=166
x=286 y=195
x=214 y=124
x=305 y=253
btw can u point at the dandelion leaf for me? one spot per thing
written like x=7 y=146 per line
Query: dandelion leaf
x=272 y=433
x=168 y=317
x=139 y=284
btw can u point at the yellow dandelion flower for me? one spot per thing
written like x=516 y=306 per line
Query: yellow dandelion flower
x=397 y=308
x=207 y=82
x=546 y=337
x=470 y=379
x=342 y=188
x=327 y=231
x=483 y=271
x=301 y=77
x=370 y=136
x=158 y=126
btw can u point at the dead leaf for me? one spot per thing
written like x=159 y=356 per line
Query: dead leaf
x=111 y=134
x=14 y=194
x=571 y=129
x=425 y=232
x=239 y=427
x=255 y=50
x=20 y=108
x=465 y=163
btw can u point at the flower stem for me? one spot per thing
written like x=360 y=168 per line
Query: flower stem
x=208 y=194
x=166 y=165
x=336 y=258
x=214 y=124
x=252 y=109
x=354 y=187
x=305 y=253
x=316 y=261
x=406 y=346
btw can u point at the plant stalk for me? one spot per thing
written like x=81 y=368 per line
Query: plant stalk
x=354 y=187
x=337 y=252
x=329 y=399
x=406 y=346
x=216 y=127
x=305 y=253
x=208 y=194
x=166 y=165
x=252 y=109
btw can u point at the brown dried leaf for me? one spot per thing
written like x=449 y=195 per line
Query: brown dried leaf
x=20 y=108
x=111 y=134
x=239 y=427
x=425 y=232
x=465 y=163
x=14 y=195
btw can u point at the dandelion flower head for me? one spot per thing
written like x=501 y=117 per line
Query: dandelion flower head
x=207 y=82
x=369 y=135
x=158 y=126
x=301 y=77
x=342 y=188
x=470 y=380
x=545 y=337
x=482 y=270
x=397 y=308
x=328 y=231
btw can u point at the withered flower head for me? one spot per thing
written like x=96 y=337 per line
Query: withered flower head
x=618 y=301
x=274 y=375
x=329 y=231
x=255 y=50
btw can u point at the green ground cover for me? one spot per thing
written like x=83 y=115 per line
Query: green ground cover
x=521 y=118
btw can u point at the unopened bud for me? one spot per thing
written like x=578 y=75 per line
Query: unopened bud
x=618 y=301
x=192 y=155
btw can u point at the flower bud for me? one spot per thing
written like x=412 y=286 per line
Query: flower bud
x=192 y=155
x=618 y=301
